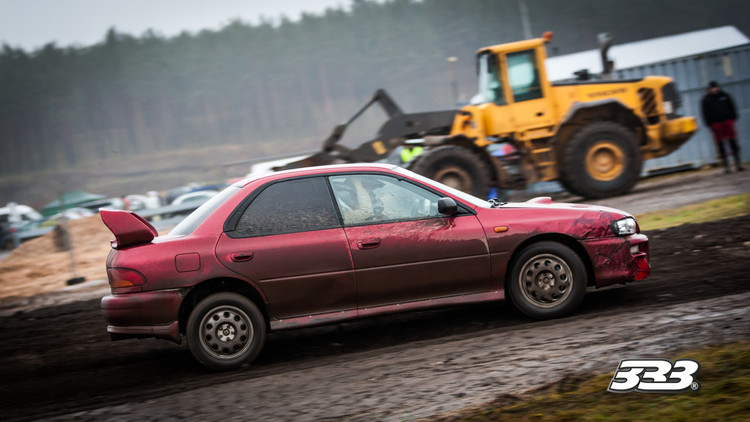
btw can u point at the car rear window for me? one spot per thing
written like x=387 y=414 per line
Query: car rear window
x=195 y=218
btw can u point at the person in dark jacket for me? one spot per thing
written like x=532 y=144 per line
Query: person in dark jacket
x=719 y=114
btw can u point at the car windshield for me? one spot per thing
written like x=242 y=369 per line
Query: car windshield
x=463 y=196
x=192 y=221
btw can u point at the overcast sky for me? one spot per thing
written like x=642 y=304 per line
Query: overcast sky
x=30 y=24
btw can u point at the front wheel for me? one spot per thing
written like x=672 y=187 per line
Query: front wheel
x=548 y=280
x=225 y=331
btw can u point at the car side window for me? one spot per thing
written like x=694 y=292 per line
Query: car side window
x=287 y=207
x=369 y=198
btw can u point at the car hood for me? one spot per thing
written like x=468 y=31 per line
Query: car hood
x=541 y=215
x=545 y=202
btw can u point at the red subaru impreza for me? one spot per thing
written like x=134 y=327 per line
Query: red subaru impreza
x=326 y=244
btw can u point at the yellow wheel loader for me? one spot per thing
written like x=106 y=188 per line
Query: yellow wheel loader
x=592 y=136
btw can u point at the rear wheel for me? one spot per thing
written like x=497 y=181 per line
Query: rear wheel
x=225 y=331
x=601 y=160
x=456 y=167
x=548 y=280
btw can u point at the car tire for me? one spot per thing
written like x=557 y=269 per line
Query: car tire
x=456 y=167
x=225 y=331
x=601 y=160
x=547 y=280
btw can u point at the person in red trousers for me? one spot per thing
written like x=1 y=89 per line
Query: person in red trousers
x=720 y=114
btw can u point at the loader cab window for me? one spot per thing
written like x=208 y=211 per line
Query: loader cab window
x=490 y=81
x=523 y=76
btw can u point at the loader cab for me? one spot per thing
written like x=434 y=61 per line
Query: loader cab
x=514 y=93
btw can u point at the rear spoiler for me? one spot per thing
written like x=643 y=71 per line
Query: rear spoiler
x=128 y=227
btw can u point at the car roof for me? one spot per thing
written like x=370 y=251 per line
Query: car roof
x=309 y=171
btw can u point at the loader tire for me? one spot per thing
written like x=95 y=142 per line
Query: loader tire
x=601 y=160
x=456 y=167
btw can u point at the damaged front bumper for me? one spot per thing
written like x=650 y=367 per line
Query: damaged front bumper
x=619 y=259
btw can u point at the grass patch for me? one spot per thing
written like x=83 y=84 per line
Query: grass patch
x=724 y=396
x=716 y=209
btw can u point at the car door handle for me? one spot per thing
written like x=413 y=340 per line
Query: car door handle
x=368 y=243
x=241 y=256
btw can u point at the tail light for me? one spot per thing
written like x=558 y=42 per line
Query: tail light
x=125 y=280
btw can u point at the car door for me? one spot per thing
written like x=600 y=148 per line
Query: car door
x=402 y=248
x=290 y=242
x=530 y=108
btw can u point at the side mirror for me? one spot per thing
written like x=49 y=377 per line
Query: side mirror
x=447 y=206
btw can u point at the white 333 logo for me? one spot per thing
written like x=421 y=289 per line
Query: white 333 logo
x=655 y=376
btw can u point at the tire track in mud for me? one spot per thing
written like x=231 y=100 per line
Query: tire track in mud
x=396 y=384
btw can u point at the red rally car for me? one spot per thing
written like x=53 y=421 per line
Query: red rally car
x=326 y=244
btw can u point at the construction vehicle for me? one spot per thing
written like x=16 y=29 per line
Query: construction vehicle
x=592 y=136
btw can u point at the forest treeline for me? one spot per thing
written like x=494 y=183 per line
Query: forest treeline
x=281 y=85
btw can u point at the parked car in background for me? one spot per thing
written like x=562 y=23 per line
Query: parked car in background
x=15 y=218
x=200 y=196
x=72 y=199
x=326 y=244
x=69 y=214
x=18 y=213
x=150 y=200
x=172 y=194
x=6 y=236
x=109 y=203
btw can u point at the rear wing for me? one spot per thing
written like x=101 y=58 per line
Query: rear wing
x=128 y=227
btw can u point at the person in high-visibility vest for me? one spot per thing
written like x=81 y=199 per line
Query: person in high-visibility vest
x=408 y=153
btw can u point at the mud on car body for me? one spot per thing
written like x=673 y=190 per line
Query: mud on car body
x=326 y=244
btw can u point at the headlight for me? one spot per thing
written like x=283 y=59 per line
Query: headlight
x=624 y=227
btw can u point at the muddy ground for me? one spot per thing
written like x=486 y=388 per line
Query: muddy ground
x=58 y=363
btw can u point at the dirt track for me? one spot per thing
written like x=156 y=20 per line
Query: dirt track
x=58 y=362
